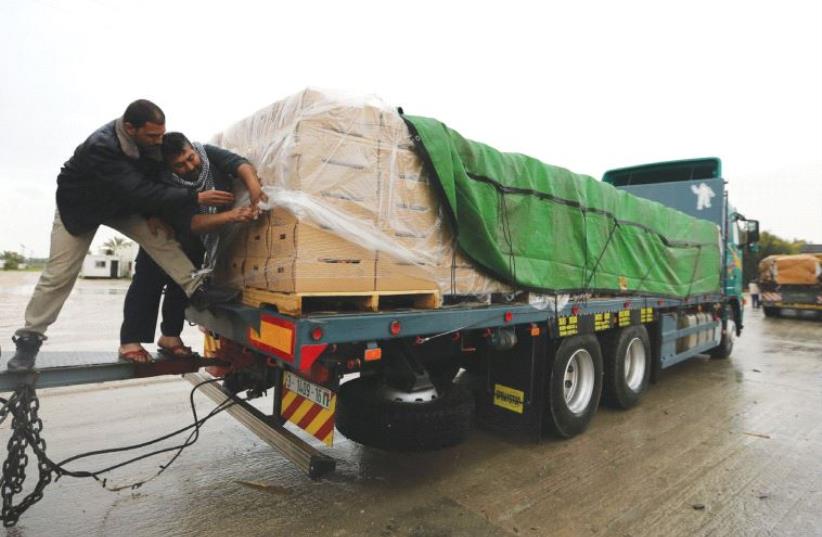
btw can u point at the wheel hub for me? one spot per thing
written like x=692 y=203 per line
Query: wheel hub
x=635 y=364
x=578 y=385
x=389 y=393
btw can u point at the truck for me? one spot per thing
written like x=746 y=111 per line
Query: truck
x=411 y=378
x=404 y=372
x=791 y=282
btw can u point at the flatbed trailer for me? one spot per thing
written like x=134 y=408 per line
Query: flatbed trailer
x=530 y=368
x=775 y=298
x=509 y=349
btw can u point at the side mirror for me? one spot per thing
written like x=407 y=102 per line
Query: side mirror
x=751 y=232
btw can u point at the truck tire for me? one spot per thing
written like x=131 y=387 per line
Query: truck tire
x=627 y=365
x=366 y=417
x=573 y=386
x=770 y=311
x=726 y=343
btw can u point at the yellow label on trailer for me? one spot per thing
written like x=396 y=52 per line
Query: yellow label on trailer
x=568 y=326
x=602 y=321
x=509 y=398
x=647 y=315
x=625 y=318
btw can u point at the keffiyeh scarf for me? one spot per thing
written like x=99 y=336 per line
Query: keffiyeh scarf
x=204 y=181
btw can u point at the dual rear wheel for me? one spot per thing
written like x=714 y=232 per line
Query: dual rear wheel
x=582 y=372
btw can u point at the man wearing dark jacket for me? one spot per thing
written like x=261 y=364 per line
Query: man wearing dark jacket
x=109 y=180
x=210 y=171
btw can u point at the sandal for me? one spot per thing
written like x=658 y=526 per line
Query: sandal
x=177 y=351
x=139 y=356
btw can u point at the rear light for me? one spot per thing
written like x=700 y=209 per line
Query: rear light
x=534 y=330
x=320 y=373
x=395 y=328
x=372 y=354
x=509 y=316
x=575 y=311
x=317 y=333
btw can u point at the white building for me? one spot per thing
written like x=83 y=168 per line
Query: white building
x=107 y=264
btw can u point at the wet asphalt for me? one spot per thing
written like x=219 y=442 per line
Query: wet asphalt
x=717 y=447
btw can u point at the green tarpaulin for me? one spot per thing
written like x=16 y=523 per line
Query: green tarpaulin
x=545 y=228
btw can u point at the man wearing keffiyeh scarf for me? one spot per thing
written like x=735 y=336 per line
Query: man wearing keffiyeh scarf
x=203 y=182
x=209 y=171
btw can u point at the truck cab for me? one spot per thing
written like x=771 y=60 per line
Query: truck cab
x=697 y=188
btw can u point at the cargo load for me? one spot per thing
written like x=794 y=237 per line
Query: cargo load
x=353 y=210
x=364 y=198
x=800 y=269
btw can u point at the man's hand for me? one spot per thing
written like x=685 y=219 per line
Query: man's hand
x=243 y=214
x=155 y=225
x=257 y=195
x=215 y=198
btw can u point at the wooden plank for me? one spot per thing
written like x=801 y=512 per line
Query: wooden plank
x=296 y=304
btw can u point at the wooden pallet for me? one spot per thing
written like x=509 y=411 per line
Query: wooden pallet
x=296 y=304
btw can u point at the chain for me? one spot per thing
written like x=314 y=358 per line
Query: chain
x=23 y=405
x=26 y=425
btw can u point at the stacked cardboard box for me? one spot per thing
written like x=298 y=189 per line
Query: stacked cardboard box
x=356 y=159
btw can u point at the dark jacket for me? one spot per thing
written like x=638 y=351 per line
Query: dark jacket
x=100 y=182
x=224 y=166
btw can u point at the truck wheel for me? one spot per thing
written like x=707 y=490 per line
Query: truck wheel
x=574 y=386
x=726 y=343
x=770 y=311
x=627 y=364
x=368 y=413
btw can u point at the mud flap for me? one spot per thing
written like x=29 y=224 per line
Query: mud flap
x=510 y=396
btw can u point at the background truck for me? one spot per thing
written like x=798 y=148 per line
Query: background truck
x=791 y=282
x=402 y=377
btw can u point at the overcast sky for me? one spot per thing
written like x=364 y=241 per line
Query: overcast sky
x=587 y=86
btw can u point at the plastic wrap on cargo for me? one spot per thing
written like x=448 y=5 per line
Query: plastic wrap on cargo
x=351 y=207
x=800 y=269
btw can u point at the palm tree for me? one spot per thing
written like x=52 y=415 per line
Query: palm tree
x=116 y=243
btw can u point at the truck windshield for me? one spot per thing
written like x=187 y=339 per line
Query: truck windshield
x=665 y=172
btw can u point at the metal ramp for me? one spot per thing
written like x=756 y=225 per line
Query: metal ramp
x=55 y=369
x=71 y=368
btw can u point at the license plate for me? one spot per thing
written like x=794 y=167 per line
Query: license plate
x=309 y=390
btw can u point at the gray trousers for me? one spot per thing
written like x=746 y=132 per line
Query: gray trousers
x=66 y=259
